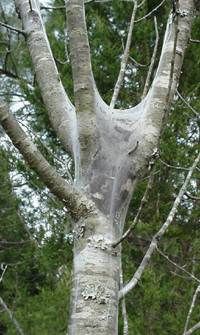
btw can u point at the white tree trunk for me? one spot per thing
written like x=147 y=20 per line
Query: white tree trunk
x=111 y=148
x=94 y=301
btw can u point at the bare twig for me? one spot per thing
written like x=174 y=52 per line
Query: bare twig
x=136 y=219
x=192 y=197
x=153 y=58
x=194 y=41
x=133 y=282
x=151 y=12
x=52 y=7
x=3 y=273
x=137 y=63
x=124 y=58
x=15 y=30
x=193 y=329
x=187 y=104
x=173 y=166
x=11 y=316
x=191 y=309
x=177 y=265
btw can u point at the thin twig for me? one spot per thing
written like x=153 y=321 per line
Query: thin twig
x=177 y=265
x=136 y=219
x=153 y=245
x=151 y=12
x=153 y=58
x=173 y=166
x=194 y=41
x=193 y=329
x=3 y=273
x=16 y=30
x=192 y=197
x=191 y=309
x=124 y=58
x=11 y=316
x=52 y=7
x=137 y=63
x=187 y=104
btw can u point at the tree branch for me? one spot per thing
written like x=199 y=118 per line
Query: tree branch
x=169 y=68
x=193 y=329
x=3 y=273
x=192 y=197
x=187 y=103
x=60 y=110
x=84 y=88
x=153 y=58
x=76 y=202
x=133 y=282
x=15 y=30
x=191 y=309
x=173 y=166
x=194 y=41
x=125 y=57
x=151 y=12
x=137 y=217
x=177 y=266
x=11 y=316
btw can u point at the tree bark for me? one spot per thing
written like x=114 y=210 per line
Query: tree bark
x=115 y=146
x=94 y=300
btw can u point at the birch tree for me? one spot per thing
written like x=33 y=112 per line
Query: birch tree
x=112 y=150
